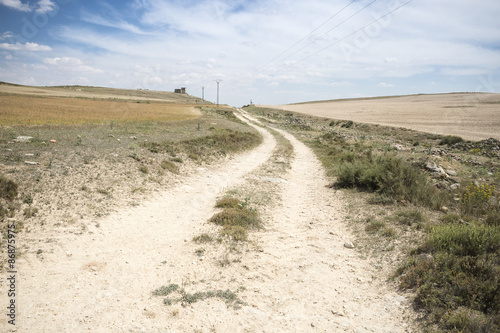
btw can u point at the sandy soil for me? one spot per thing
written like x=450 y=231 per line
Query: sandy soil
x=469 y=115
x=295 y=276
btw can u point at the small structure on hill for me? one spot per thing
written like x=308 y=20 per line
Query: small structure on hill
x=180 y=91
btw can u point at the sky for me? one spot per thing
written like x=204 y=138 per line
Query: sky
x=261 y=51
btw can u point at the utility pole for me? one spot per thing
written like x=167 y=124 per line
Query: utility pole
x=218 y=81
x=203 y=93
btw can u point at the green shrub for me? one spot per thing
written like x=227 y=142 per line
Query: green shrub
x=387 y=175
x=464 y=240
x=459 y=283
x=8 y=189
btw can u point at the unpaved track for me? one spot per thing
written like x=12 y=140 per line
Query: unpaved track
x=302 y=279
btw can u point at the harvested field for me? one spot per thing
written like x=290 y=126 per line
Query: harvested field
x=473 y=116
x=36 y=110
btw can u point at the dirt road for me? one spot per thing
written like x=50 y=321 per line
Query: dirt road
x=295 y=276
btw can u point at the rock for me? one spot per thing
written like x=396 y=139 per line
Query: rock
x=444 y=209
x=450 y=172
x=349 y=245
x=31 y=163
x=23 y=139
x=454 y=187
x=53 y=141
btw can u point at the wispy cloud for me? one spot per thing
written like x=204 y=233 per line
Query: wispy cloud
x=24 y=47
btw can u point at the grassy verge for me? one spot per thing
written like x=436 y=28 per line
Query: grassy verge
x=431 y=197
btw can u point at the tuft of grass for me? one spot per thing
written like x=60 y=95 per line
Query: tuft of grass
x=203 y=238
x=144 y=169
x=410 y=217
x=242 y=217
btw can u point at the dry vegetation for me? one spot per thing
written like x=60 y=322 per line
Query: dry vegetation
x=35 y=110
x=425 y=209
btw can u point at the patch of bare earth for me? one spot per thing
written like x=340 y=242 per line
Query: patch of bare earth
x=294 y=276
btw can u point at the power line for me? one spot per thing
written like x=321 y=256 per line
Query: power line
x=345 y=37
x=322 y=24
x=303 y=47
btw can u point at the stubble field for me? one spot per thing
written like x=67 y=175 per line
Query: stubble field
x=473 y=116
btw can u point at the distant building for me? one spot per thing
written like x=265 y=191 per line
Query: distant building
x=180 y=91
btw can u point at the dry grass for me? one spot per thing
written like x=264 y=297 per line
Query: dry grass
x=33 y=110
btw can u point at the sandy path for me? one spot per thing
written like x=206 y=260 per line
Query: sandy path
x=301 y=280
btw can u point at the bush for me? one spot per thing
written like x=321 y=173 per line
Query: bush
x=450 y=140
x=387 y=175
x=228 y=203
x=476 y=198
x=8 y=189
x=459 y=284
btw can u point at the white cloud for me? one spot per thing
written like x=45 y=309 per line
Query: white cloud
x=71 y=64
x=6 y=34
x=25 y=47
x=9 y=57
x=45 y=6
x=29 y=81
x=16 y=4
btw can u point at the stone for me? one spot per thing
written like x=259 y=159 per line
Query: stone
x=450 y=172
x=53 y=141
x=454 y=187
x=349 y=245
x=31 y=163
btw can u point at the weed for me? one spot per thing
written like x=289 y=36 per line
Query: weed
x=144 y=169
x=166 y=290
x=200 y=252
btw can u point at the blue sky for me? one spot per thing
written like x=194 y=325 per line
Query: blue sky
x=267 y=51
